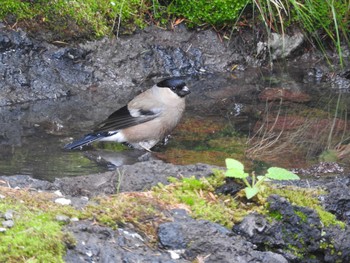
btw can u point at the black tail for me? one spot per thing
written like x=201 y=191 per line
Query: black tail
x=89 y=138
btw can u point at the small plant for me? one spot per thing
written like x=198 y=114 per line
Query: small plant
x=235 y=169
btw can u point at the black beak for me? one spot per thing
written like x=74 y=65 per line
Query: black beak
x=184 y=91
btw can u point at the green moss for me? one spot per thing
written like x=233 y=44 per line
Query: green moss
x=34 y=221
x=299 y=253
x=215 y=12
x=97 y=18
x=275 y=215
x=140 y=209
x=306 y=198
x=24 y=241
x=301 y=215
x=203 y=203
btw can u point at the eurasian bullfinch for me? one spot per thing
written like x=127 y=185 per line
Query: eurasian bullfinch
x=145 y=120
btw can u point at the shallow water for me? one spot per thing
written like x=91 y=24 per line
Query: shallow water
x=221 y=108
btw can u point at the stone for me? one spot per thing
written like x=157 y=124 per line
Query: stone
x=63 y=218
x=63 y=201
x=8 y=223
x=8 y=215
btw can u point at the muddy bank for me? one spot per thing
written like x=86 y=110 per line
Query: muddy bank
x=118 y=68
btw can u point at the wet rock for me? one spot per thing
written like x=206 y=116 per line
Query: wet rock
x=277 y=94
x=30 y=70
x=102 y=244
x=33 y=69
x=315 y=74
x=209 y=240
x=296 y=233
x=320 y=169
x=337 y=247
x=280 y=46
x=24 y=181
x=337 y=201
x=341 y=82
x=136 y=177
x=288 y=228
x=231 y=187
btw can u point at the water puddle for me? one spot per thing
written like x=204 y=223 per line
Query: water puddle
x=286 y=118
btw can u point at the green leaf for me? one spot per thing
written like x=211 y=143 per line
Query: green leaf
x=232 y=163
x=235 y=169
x=236 y=174
x=276 y=173
x=251 y=191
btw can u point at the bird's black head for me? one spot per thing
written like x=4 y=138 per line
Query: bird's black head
x=177 y=85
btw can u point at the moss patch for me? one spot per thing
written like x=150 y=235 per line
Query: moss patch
x=202 y=202
x=140 y=209
x=34 y=221
x=80 y=18
x=306 y=198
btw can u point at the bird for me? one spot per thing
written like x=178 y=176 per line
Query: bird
x=145 y=120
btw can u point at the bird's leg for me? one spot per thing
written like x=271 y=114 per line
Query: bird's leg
x=145 y=148
x=147 y=145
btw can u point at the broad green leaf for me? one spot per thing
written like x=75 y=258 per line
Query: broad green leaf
x=236 y=174
x=235 y=169
x=251 y=191
x=234 y=164
x=276 y=173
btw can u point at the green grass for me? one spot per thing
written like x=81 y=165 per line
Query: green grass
x=95 y=18
x=319 y=19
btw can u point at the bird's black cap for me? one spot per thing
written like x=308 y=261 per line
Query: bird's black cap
x=175 y=82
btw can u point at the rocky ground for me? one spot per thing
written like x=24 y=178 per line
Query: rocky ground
x=116 y=68
x=291 y=238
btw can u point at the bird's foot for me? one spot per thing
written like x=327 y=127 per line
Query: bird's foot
x=147 y=145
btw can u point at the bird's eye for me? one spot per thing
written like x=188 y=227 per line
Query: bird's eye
x=173 y=88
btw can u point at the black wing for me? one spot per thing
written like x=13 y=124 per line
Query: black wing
x=122 y=119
